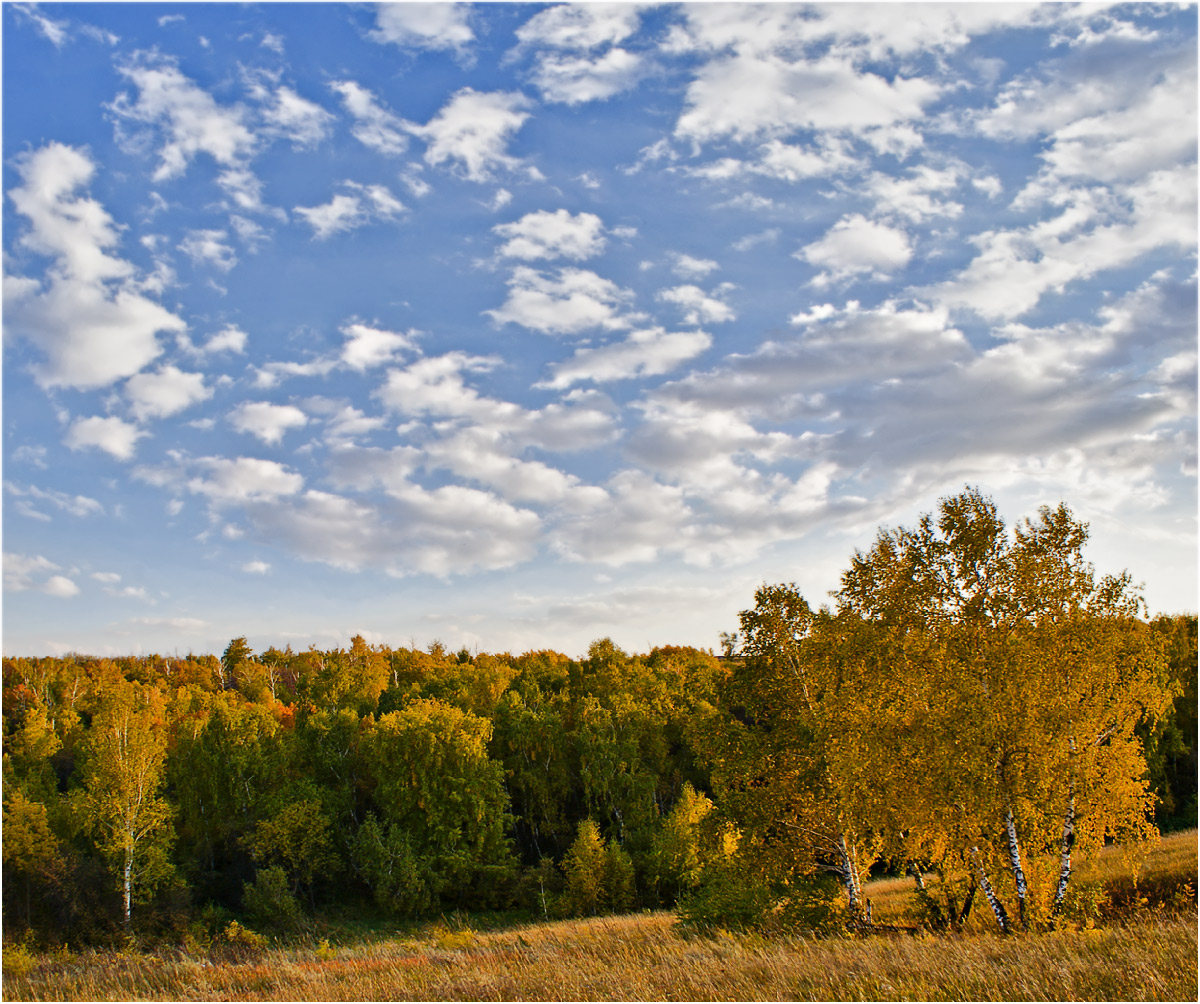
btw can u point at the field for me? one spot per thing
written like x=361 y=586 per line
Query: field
x=1146 y=951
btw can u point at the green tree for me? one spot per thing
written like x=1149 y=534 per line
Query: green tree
x=432 y=779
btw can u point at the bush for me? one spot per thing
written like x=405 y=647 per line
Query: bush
x=269 y=901
x=727 y=895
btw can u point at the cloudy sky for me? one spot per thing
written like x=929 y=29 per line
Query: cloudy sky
x=515 y=326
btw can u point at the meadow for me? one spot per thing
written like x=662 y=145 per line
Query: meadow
x=1142 y=947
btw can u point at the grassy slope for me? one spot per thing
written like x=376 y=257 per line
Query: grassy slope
x=1150 y=957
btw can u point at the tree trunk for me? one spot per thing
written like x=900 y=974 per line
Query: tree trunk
x=1064 y=856
x=966 y=909
x=1014 y=860
x=937 y=916
x=128 y=887
x=850 y=879
x=990 y=893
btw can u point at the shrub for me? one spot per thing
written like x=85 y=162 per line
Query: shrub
x=269 y=901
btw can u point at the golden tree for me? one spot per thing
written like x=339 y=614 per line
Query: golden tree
x=126 y=750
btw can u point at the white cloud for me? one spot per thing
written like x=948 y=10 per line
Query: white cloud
x=1014 y=269
x=242 y=480
x=576 y=301
x=265 y=421
x=640 y=520
x=451 y=530
x=92 y=330
x=374 y=126
x=75 y=230
x=434 y=385
x=208 y=246
x=697 y=306
x=112 y=435
x=580 y=26
x=916 y=197
x=60 y=586
x=687 y=267
x=349 y=211
x=544 y=234
x=79 y=506
x=760 y=97
x=165 y=392
x=256 y=567
x=473 y=129
x=292 y=117
x=366 y=347
x=20 y=571
x=644 y=353
x=231 y=338
x=55 y=32
x=424 y=25
x=339 y=214
x=856 y=245
x=191 y=121
x=576 y=79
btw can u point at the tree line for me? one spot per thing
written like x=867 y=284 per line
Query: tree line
x=976 y=707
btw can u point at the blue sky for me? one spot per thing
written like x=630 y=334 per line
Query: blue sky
x=515 y=326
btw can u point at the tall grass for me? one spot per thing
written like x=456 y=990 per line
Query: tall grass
x=1150 y=955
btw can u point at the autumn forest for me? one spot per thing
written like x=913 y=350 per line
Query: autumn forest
x=974 y=708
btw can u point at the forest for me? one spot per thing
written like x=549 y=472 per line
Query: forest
x=975 y=709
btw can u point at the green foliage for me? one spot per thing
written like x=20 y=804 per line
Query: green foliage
x=585 y=867
x=269 y=900
x=730 y=894
x=296 y=839
x=384 y=858
x=434 y=781
x=599 y=876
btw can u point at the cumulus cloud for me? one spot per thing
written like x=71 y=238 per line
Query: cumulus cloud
x=265 y=421
x=580 y=26
x=241 y=480
x=757 y=98
x=209 y=247
x=189 y=119
x=543 y=234
x=231 y=338
x=1014 y=269
x=366 y=347
x=423 y=25
x=357 y=206
x=574 y=301
x=856 y=245
x=472 y=130
x=697 y=306
x=447 y=531
x=88 y=316
x=290 y=116
x=112 y=435
x=164 y=392
x=374 y=126
x=577 y=79
x=644 y=353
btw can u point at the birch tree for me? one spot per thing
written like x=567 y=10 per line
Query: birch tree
x=126 y=750
x=1033 y=675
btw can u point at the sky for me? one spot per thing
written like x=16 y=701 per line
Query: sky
x=516 y=326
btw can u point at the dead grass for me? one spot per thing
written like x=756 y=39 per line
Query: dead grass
x=1151 y=956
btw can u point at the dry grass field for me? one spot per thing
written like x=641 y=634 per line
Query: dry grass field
x=1148 y=954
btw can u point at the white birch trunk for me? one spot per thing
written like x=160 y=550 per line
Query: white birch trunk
x=990 y=893
x=1014 y=860
x=849 y=876
x=128 y=886
x=1064 y=856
